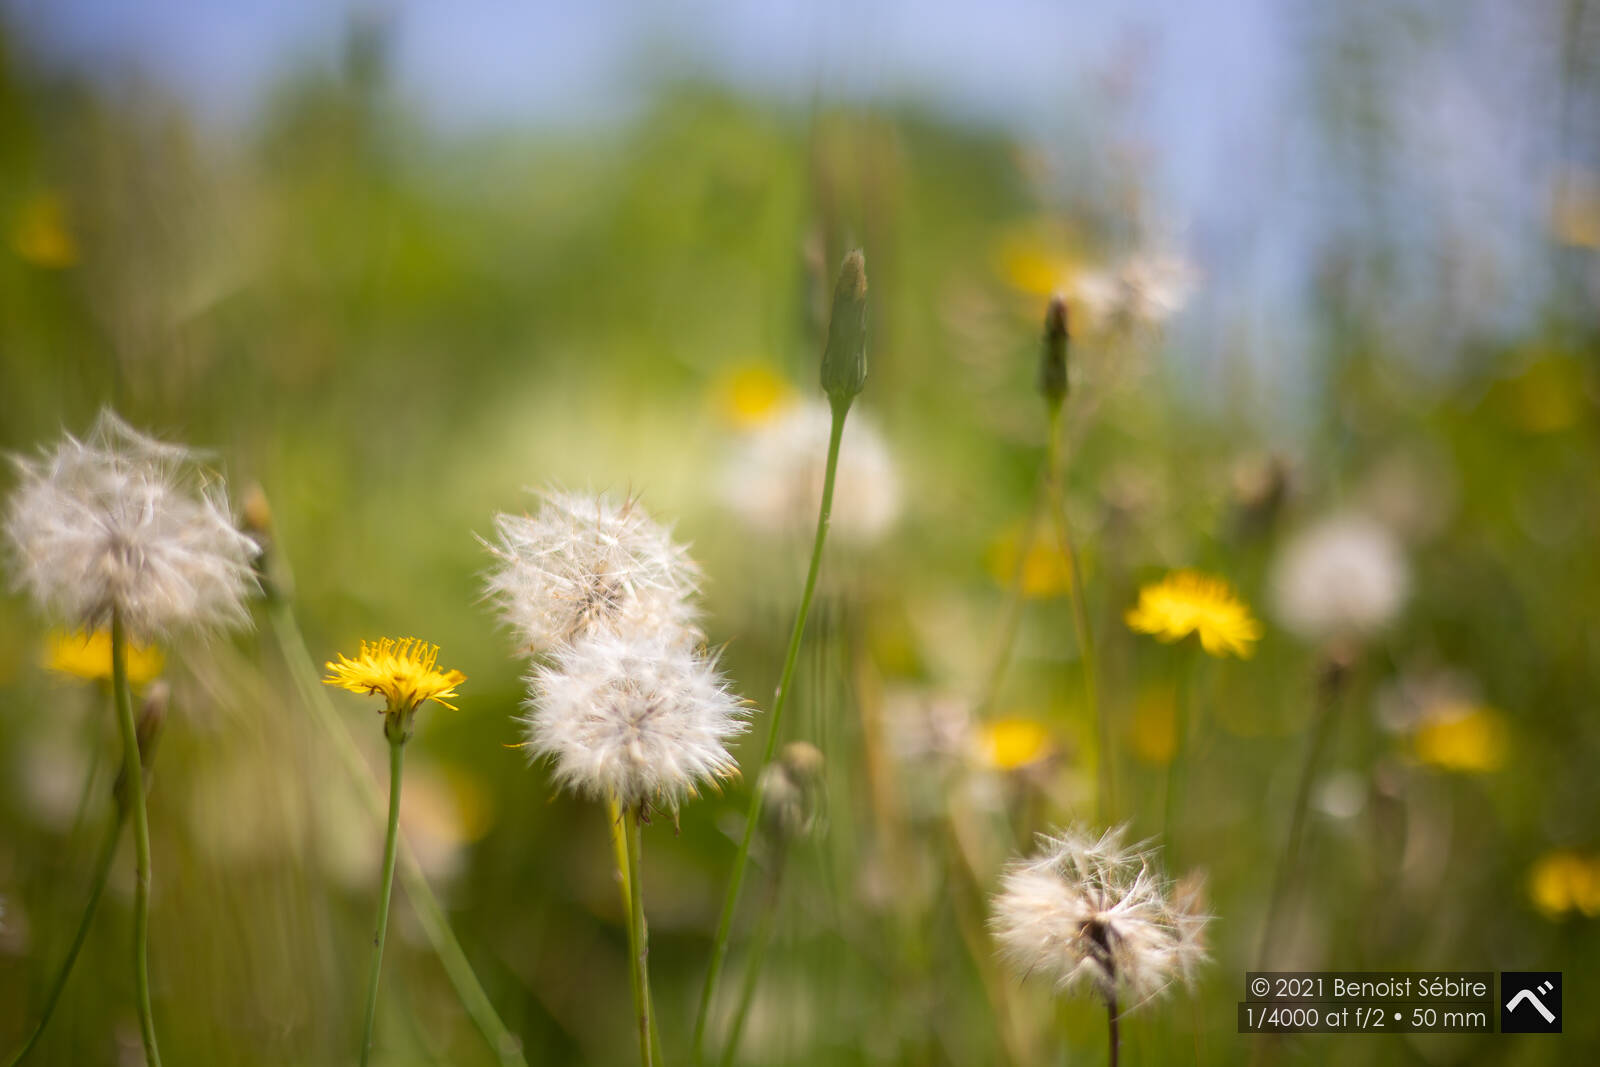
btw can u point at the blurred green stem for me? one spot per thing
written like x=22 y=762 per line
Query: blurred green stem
x=435 y=925
x=638 y=937
x=730 y=904
x=1012 y=619
x=397 y=748
x=1321 y=732
x=133 y=773
x=758 y=954
x=1055 y=473
x=1177 y=767
x=1111 y=1020
x=102 y=871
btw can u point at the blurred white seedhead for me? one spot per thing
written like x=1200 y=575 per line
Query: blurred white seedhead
x=641 y=718
x=1146 y=289
x=773 y=479
x=1343 y=577
x=586 y=565
x=1090 y=914
x=122 y=522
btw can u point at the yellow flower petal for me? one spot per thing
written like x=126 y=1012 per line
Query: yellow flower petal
x=88 y=656
x=1188 y=602
x=403 y=672
x=1014 y=743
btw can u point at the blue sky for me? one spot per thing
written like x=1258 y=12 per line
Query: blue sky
x=1225 y=100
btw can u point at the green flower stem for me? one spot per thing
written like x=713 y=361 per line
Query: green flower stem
x=1111 y=1020
x=397 y=748
x=133 y=774
x=102 y=871
x=1176 y=766
x=619 y=853
x=758 y=951
x=1321 y=733
x=1055 y=468
x=730 y=904
x=1011 y=620
x=435 y=925
x=638 y=939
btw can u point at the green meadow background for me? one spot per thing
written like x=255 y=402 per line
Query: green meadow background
x=395 y=331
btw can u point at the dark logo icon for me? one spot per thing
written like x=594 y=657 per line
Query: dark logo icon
x=1530 y=1002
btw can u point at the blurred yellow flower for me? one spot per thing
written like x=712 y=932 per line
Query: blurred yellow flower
x=1153 y=735
x=88 y=656
x=1013 y=743
x=750 y=394
x=1034 y=262
x=40 y=235
x=1188 y=602
x=1564 y=881
x=1046 y=571
x=403 y=672
x=1462 y=739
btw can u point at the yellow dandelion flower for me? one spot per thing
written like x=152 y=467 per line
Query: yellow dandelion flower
x=1188 y=602
x=88 y=656
x=1034 y=260
x=751 y=394
x=1463 y=739
x=1046 y=572
x=403 y=672
x=1565 y=881
x=1014 y=743
x=41 y=235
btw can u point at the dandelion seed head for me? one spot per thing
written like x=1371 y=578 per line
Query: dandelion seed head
x=1146 y=289
x=122 y=522
x=639 y=717
x=773 y=479
x=589 y=564
x=1344 y=576
x=1089 y=913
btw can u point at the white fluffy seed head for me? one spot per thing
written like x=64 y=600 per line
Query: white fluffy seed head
x=641 y=718
x=120 y=521
x=589 y=565
x=773 y=480
x=1146 y=289
x=1091 y=914
x=1345 y=576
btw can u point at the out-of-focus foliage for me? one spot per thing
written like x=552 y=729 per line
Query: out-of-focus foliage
x=394 y=332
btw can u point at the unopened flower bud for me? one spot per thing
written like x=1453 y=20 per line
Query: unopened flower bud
x=791 y=787
x=1053 y=353
x=844 y=359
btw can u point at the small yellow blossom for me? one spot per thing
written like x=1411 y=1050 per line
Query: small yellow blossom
x=1188 y=602
x=1014 y=743
x=1564 y=881
x=1046 y=572
x=41 y=236
x=403 y=672
x=1033 y=261
x=750 y=394
x=88 y=656
x=1462 y=739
